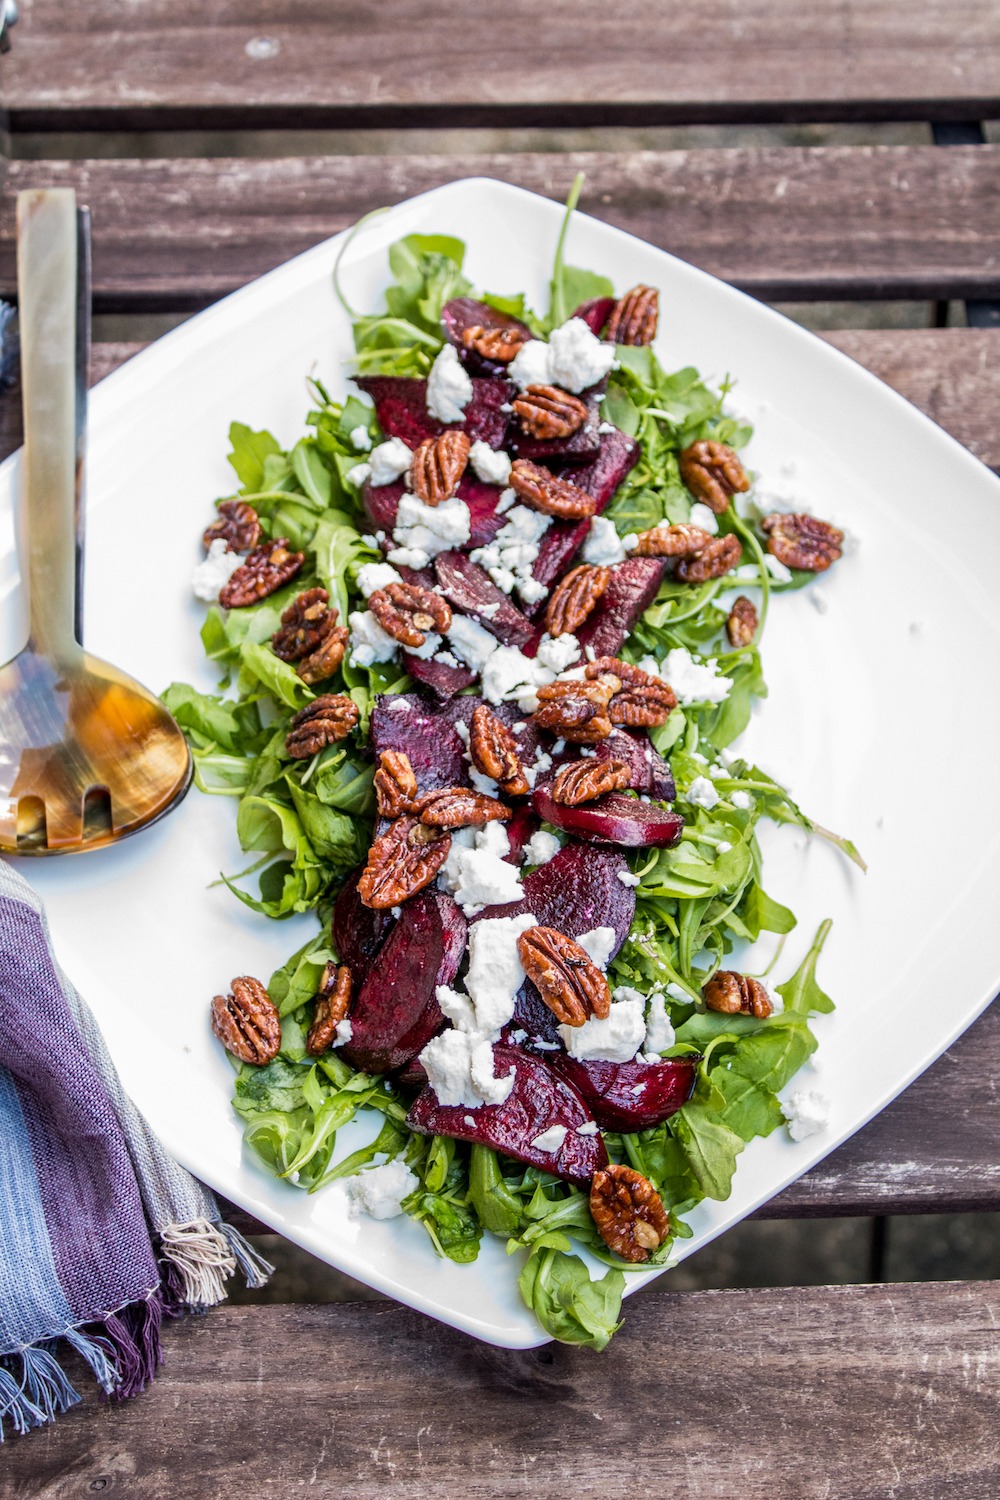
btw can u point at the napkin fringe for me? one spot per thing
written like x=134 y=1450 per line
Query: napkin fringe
x=198 y=1258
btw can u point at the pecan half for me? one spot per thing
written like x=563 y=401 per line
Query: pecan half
x=406 y=611
x=633 y=318
x=395 y=784
x=303 y=625
x=459 y=807
x=576 y=711
x=324 y=661
x=545 y=411
x=437 y=466
x=542 y=490
x=719 y=556
x=671 y=541
x=628 y=1212
x=247 y=1022
x=324 y=721
x=642 y=701
x=501 y=344
x=736 y=995
x=566 y=977
x=713 y=472
x=583 y=780
x=741 y=627
x=401 y=862
x=264 y=572
x=237 y=525
x=493 y=749
x=333 y=1001
x=573 y=598
x=801 y=541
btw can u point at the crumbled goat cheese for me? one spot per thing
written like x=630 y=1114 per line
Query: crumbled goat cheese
x=692 y=681
x=589 y=1127
x=507 y=499
x=470 y=642
x=410 y=557
x=541 y=847
x=659 y=1030
x=542 y=762
x=449 y=386
x=508 y=674
x=704 y=517
x=599 y=944
x=551 y=1139
x=807 y=1112
x=603 y=546
x=558 y=652
x=380 y=1190
x=530 y=590
x=388 y=461
x=446 y=659
x=615 y=1039
x=491 y=466
x=376 y=576
x=358 y=474
x=702 y=792
x=607 y=427
x=343 y=1033
x=777 y=568
x=742 y=800
x=429 y=529
x=577 y=357
x=214 y=570
x=723 y=846
x=478 y=878
x=461 y=1070
x=628 y=878
x=369 y=642
x=399 y=705
x=360 y=438
x=532 y=365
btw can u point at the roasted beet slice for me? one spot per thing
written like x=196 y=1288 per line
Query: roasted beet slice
x=465 y=312
x=401 y=408
x=537 y=1101
x=632 y=1095
x=579 y=889
x=444 y=681
x=648 y=772
x=381 y=502
x=472 y=591
x=358 y=932
x=581 y=447
x=595 y=313
x=396 y=1012
x=632 y=589
x=612 y=819
x=520 y=827
x=426 y=733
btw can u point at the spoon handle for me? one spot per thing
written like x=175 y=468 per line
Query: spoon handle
x=47 y=280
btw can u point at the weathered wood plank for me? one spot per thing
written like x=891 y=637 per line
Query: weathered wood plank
x=855 y=1392
x=868 y=221
x=109 y=64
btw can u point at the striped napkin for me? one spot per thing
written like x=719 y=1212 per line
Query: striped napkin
x=101 y=1233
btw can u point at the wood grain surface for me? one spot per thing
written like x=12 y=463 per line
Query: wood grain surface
x=784 y=223
x=833 y=1393
x=113 y=64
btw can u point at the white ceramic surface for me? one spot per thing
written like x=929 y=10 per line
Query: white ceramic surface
x=883 y=715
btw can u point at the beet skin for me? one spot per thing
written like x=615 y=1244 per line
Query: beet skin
x=629 y=1096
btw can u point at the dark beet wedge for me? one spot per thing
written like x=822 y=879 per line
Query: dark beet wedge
x=575 y=892
x=358 y=932
x=401 y=408
x=648 y=771
x=381 y=502
x=632 y=1095
x=427 y=734
x=472 y=591
x=441 y=679
x=633 y=587
x=414 y=1075
x=465 y=312
x=396 y=1011
x=520 y=827
x=580 y=447
x=612 y=819
x=537 y=1101
x=595 y=313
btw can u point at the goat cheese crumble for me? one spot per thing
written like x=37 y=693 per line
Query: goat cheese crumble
x=490 y=464
x=807 y=1112
x=214 y=570
x=449 y=386
x=380 y=1191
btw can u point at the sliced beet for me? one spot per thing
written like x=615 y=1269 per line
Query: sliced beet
x=443 y=680
x=401 y=408
x=472 y=591
x=396 y=1012
x=427 y=734
x=648 y=771
x=575 y=892
x=466 y=312
x=520 y=827
x=381 y=502
x=612 y=819
x=358 y=932
x=537 y=1101
x=633 y=587
x=595 y=313
x=414 y=1075
x=629 y=1096
x=581 y=447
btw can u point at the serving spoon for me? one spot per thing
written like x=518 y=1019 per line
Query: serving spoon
x=87 y=754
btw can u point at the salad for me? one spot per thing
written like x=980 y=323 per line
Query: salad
x=487 y=634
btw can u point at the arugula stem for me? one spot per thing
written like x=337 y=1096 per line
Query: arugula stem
x=352 y=232
x=558 y=302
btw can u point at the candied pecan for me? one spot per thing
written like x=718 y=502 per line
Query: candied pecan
x=542 y=490
x=494 y=752
x=333 y=1001
x=501 y=344
x=237 y=525
x=303 y=625
x=671 y=541
x=741 y=627
x=406 y=611
x=736 y=995
x=642 y=701
x=247 y=1022
x=628 y=1212
x=583 y=780
x=802 y=541
x=573 y=598
x=437 y=466
x=459 y=807
x=566 y=977
x=722 y=554
x=401 y=862
x=263 y=573
x=395 y=784
x=324 y=721
x=325 y=660
x=576 y=711
x=634 y=316
x=545 y=411
x=712 y=472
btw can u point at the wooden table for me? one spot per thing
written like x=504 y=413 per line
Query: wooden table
x=843 y=1391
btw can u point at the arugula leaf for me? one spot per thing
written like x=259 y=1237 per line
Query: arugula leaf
x=569 y=1306
x=498 y=1208
x=249 y=451
x=801 y=993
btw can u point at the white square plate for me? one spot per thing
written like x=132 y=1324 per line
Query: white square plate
x=883 y=715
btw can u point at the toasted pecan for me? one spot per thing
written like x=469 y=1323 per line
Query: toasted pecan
x=583 y=780
x=566 y=977
x=407 y=611
x=736 y=995
x=402 y=861
x=333 y=1001
x=803 y=541
x=437 y=466
x=545 y=411
x=246 y=1021
x=573 y=598
x=542 y=490
x=634 y=317
x=628 y=1212
x=493 y=749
